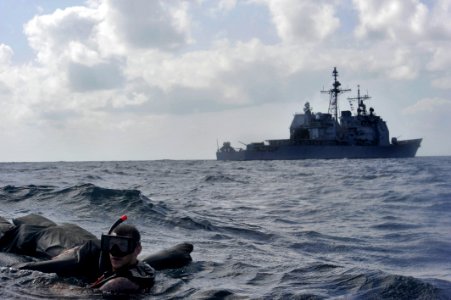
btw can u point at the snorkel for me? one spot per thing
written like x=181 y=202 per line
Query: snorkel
x=118 y=221
x=104 y=261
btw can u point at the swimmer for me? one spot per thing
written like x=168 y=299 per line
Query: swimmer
x=127 y=274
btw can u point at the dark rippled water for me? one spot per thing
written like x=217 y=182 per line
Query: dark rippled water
x=314 y=229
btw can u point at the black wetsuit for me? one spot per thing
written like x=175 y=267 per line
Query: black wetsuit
x=141 y=274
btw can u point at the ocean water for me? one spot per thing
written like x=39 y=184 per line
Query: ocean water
x=313 y=229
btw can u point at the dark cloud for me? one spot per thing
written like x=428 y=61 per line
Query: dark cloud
x=101 y=76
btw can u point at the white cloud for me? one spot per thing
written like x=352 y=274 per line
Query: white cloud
x=430 y=105
x=423 y=28
x=6 y=54
x=391 y=19
x=81 y=53
x=90 y=44
x=149 y=24
x=404 y=64
x=222 y=68
x=53 y=36
x=303 y=21
x=441 y=58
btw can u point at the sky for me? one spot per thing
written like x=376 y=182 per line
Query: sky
x=145 y=80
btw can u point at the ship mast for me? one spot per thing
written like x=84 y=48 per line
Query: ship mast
x=361 y=110
x=334 y=92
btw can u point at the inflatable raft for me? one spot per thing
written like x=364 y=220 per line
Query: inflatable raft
x=34 y=242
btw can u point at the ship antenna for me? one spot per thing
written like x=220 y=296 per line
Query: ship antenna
x=334 y=92
x=361 y=110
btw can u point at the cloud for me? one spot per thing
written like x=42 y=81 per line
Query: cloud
x=6 y=54
x=440 y=60
x=90 y=44
x=149 y=24
x=442 y=83
x=105 y=45
x=102 y=76
x=108 y=43
x=411 y=35
x=226 y=5
x=439 y=28
x=303 y=21
x=4 y=89
x=53 y=36
x=391 y=19
x=430 y=106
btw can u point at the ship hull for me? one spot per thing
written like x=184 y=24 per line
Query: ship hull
x=402 y=149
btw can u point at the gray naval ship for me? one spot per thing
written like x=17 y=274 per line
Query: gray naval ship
x=325 y=136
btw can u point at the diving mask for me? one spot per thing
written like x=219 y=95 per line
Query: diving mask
x=118 y=246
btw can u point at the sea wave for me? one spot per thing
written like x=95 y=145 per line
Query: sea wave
x=316 y=229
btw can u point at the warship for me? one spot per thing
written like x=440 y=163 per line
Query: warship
x=362 y=134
